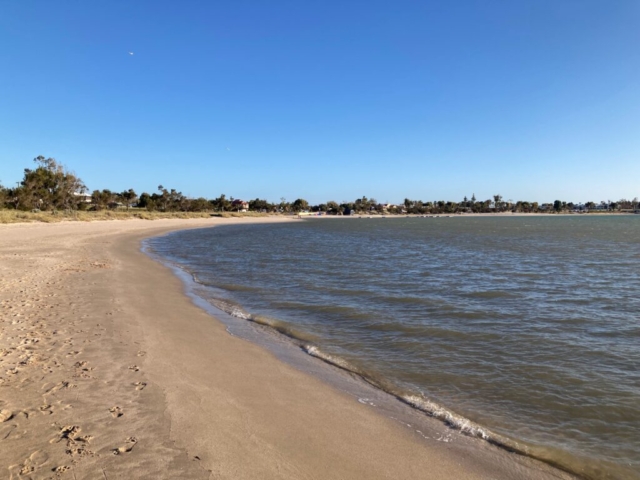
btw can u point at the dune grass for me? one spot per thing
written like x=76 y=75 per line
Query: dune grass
x=16 y=216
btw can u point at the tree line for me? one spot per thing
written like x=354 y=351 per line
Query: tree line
x=51 y=187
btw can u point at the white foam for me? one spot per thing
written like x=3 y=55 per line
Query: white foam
x=463 y=424
x=238 y=313
x=453 y=420
x=316 y=352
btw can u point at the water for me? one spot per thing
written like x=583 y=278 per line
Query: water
x=521 y=330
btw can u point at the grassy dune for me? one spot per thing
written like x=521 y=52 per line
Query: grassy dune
x=14 y=216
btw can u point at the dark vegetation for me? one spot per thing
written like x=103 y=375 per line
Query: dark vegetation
x=50 y=187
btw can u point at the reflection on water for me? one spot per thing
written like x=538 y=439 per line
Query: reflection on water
x=527 y=326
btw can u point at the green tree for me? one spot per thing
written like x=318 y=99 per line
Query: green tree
x=221 y=204
x=101 y=199
x=3 y=196
x=178 y=201
x=333 y=207
x=259 y=205
x=299 y=205
x=526 y=207
x=284 y=206
x=171 y=200
x=49 y=186
x=163 y=198
x=15 y=198
x=497 y=202
x=128 y=197
x=199 y=205
x=145 y=201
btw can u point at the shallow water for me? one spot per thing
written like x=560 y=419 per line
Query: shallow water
x=523 y=330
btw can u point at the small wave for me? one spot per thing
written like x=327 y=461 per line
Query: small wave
x=344 y=311
x=467 y=427
x=336 y=361
x=232 y=287
x=422 y=404
x=409 y=300
x=492 y=294
x=230 y=308
x=281 y=327
x=239 y=313
x=528 y=275
x=453 y=420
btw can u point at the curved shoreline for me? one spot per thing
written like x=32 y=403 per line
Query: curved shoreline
x=196 y=401
x=411 y=400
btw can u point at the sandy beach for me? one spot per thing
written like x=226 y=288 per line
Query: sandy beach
x=108 y=370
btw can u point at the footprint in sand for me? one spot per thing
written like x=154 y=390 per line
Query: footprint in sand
x=141 y=353
x=24 y=413
x=131 y=442
x=82 y=370
x=68 y=432
x=35 y=460
x=46 y=409
x=76 y=449
x=76 y=444
x=134 y=368
x=116 y=412
x=50 y=389
x=26 y=469
x=140 y=385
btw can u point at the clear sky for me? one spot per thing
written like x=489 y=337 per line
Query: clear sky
x=327 y=100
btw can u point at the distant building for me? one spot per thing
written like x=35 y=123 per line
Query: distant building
x=83 y=197
x=385 y=207
x=240 y=205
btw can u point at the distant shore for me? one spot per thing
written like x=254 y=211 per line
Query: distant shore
x=16 y=216
x=110 y=371
x=465 y=215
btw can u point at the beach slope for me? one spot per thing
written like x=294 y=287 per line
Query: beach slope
x=108 y=370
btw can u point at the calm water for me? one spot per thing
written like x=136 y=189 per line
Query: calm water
x=525 y=330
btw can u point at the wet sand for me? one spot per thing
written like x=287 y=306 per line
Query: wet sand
x=108 y=370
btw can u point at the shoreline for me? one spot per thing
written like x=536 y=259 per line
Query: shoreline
x=129 y=364
x=385 y=396
x=13 y=217
x=271 y=337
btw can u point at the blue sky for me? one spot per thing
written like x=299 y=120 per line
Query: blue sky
x=534 y=100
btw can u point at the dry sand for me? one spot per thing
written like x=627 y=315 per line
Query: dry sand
x=107 y=370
